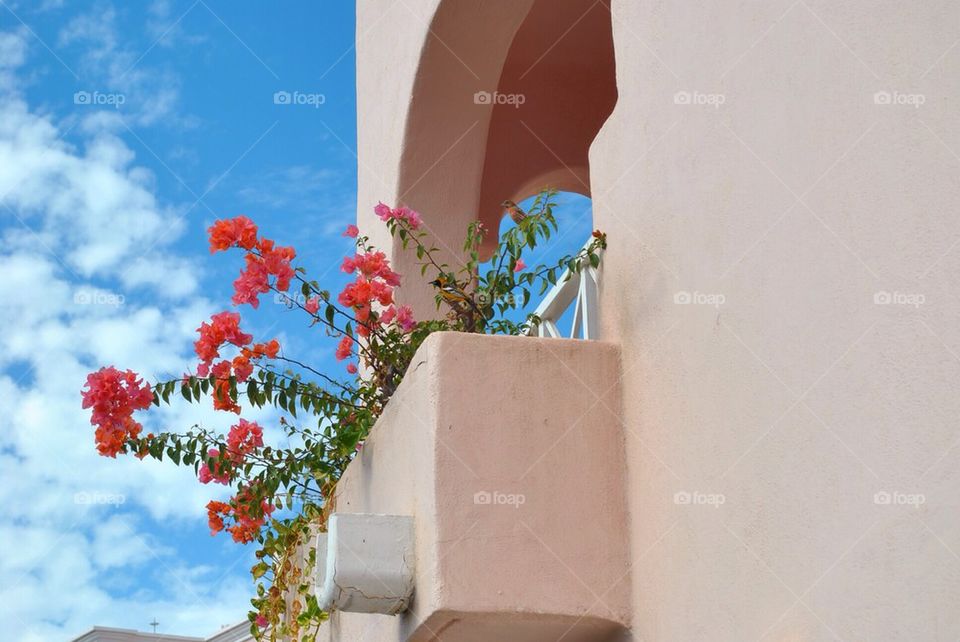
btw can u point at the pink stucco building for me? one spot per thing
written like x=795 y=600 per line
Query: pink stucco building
x=762 y=444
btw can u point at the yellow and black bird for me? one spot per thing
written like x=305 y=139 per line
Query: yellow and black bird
x=517 y=215
x=450 y=292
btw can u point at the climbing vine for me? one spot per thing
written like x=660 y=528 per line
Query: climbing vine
x=283 y=494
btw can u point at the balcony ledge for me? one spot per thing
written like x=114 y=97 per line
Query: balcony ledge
x=507 y=452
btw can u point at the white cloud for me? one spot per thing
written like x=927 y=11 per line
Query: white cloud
x=89 y=279
x=93 y=208
x=150 y=95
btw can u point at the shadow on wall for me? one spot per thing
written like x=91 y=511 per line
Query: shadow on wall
x=556 y=87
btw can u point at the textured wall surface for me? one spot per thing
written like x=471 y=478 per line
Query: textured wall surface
x=516 y=487
x=813 y=227
x=780 y=181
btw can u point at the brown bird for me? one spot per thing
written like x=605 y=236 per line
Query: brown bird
x=516 y=214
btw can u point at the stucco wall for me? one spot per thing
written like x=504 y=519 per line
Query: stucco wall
x=770 y=419
x=795 y=201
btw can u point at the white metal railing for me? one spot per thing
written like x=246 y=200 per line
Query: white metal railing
x=580 y=289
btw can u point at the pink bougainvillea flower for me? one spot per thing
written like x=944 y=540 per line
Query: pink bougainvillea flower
x=383 y=211
x=244 y=438
x=261 y=622
x=520 y=266
x=406 y=214
x=349 y=265
x=344 y=348
x=253 y=281
x=405 y=318
x=206 y=475
x=264 y=259
x=352 y=368
x=410 y=216
x=402 y=315
x=113 y=396
x=352 y=231
x=312 y=305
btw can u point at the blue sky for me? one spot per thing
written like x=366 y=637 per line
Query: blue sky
x=125 y=130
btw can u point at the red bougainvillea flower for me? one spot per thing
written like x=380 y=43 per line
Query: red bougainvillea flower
x=269 y=349
x=252 y=282
x=242 y=368
x=264 y=259
x=226 y=233
x=277 y=260
x=247 y=511
x=363 y=291
x=223 y=328
x=312 y=305
x=244 y=438
x=352 y=231
x=519 y=266
x=386 y=213
x=215 y=512
x=219 y=473
x=222 y=399
x=372 y=265
x=352 y=368
x=344 y=348
x=113 y=396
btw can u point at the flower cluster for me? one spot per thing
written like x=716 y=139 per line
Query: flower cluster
x=371 y=328
x=239 y=231
x=224 y=329
x=113 y=396
x=218 y=473
x=244 y=438
x=403 y=316
x=243 y=516
x=405 y=214
x=374 y=286
x=264 y=259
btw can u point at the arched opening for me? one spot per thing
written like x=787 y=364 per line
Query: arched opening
x=558 y=85
x=507 y=99
x=570 y=308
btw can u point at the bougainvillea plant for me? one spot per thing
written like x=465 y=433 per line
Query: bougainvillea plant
x=283 y=493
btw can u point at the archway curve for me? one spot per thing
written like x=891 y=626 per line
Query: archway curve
x=561 y=62
x=548 y=73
